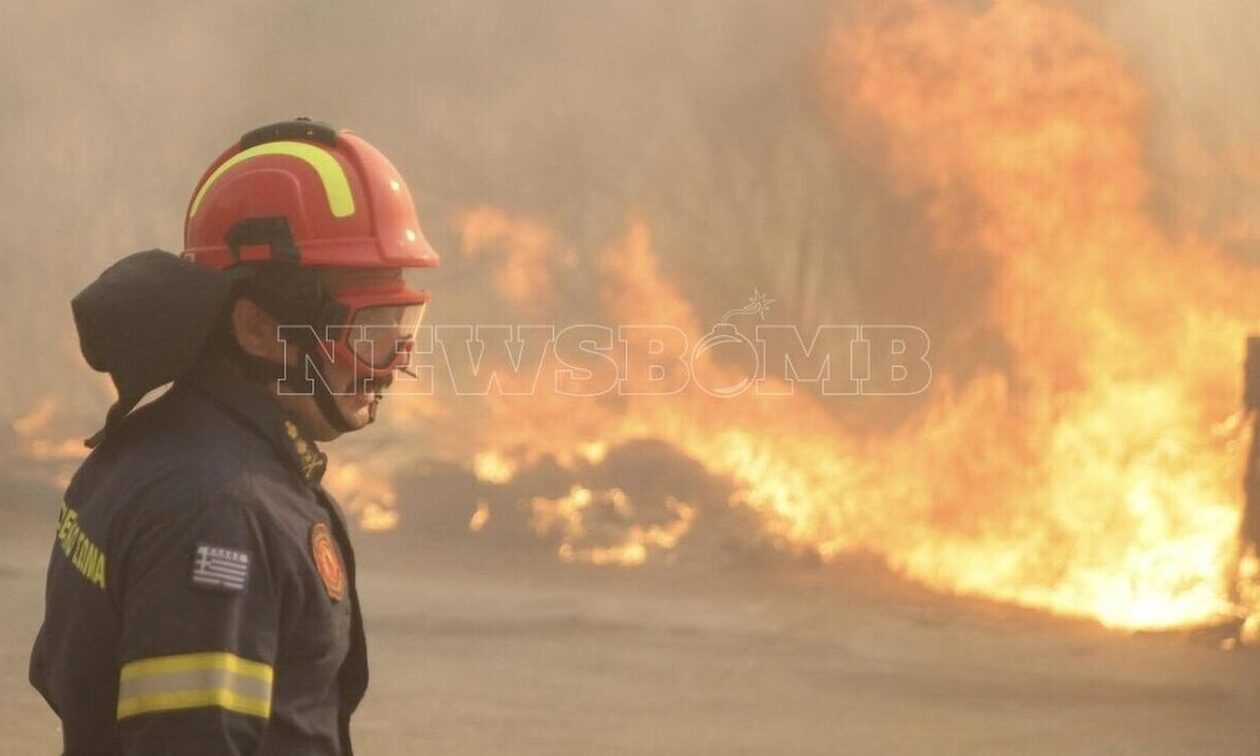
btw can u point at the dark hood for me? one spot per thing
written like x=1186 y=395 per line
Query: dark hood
x=145 y=321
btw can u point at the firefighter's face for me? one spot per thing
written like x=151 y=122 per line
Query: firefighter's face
x=358 y=395
x=354 y=392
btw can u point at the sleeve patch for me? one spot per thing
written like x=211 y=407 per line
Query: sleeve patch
x=219 y=568
x=328 y=562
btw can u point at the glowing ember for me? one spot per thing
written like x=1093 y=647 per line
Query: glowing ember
x=493 y=467
x=611 y=536
x=365 y=494
x=480 y=516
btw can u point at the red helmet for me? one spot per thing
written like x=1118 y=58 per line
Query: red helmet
x=302 y=192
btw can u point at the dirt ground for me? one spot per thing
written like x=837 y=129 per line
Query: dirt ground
x=478 y=651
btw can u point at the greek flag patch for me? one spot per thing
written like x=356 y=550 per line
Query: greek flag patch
x=219 y=568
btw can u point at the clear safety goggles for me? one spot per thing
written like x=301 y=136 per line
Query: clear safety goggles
x=380 y=324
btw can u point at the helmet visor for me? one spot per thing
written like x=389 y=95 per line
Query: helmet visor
x=383 y=334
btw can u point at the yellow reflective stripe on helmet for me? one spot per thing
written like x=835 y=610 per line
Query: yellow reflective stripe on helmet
x=331 y=174
x=190 y=681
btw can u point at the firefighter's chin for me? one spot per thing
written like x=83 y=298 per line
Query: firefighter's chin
x=358 y=399
x=355 y=401
x=310 y=419
x=358 y=405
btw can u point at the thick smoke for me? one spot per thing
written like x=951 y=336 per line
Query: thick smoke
x=701 y=117
x=562 y=110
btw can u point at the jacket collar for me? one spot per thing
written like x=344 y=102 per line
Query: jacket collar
x=255 y=407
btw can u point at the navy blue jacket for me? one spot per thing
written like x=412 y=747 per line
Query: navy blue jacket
x=201 y=595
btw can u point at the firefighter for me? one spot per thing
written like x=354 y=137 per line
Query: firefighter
x=201 y=592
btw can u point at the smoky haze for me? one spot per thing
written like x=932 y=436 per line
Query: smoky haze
x=700 y=118
x=708 y=123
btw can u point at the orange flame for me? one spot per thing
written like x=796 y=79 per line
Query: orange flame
x=35 y=431
x=615 y=542
x=1025 y=134
x=526 y=248
x=365 y=493
x=1098 y=476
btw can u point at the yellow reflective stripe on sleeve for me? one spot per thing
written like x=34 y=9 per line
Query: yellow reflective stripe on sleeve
x=186 y=662
x=194 y=699
x=190 y=681
x=331 y=174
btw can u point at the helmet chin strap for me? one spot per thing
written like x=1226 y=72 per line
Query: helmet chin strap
x=327 y=403
x=324 y=397
x=263 y=371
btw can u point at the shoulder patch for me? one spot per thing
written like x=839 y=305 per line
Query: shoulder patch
x=328 y=561
x=220 y=568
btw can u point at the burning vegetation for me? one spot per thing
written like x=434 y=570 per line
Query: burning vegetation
x=1094 y=471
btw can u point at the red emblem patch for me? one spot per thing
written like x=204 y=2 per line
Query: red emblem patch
x=328 y=561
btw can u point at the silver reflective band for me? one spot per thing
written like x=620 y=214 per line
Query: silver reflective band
x=190 y=681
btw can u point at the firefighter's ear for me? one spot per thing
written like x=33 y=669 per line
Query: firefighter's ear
x=257 y=331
